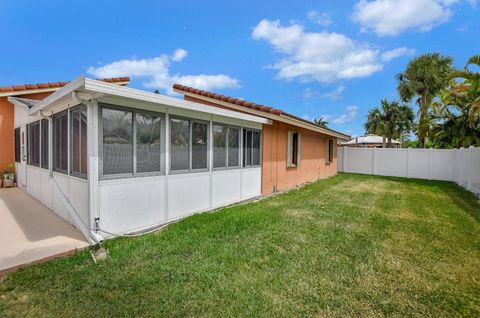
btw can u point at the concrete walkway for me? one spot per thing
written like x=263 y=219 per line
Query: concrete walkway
x=30 y=232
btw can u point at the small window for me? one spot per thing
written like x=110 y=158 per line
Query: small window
x=219 y=146
x=293 y=152
x=33 y=144
x=251 y=147
x=148 y=142
x=44 y=143
x=117 y=141
x=233 y=147
x=329 y=154
x=180 y=141
x=199 y=145
x=225 y=146
x=17 y=145
x=60 y=142
x=188 y=145
x=78 y=135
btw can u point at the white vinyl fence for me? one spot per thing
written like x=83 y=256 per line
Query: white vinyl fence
x=458 y=165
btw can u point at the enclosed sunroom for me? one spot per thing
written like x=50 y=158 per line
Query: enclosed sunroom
x=112 y=159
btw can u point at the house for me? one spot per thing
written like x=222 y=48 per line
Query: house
x=294 y=150
x=111 y=159
x=370 y=141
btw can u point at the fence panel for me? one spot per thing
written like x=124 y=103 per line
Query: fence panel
x=390 y=162
x=459 y=165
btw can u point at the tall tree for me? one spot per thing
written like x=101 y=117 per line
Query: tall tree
x=470 y=94
x=391 y=120
x=456 y=116
x=424 y=78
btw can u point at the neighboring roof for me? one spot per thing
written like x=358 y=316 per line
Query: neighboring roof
x=82 y=88
x=25 y=101
x=368 y=139
x=24 y=89
x=258 y=109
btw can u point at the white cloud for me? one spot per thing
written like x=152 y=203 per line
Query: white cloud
x=401 y=51
x=336 y=93
x=179 y=54
x=155 y=73
x=324 y=57
x=351 y=113
x=320 y=18
x=310 y=94
x=392 y=17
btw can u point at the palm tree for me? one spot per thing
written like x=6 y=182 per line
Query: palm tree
x=469 y=91
x=390 y=121
x=424 y=78
x=321 y=121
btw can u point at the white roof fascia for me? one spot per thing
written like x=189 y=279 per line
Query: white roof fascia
x=95 y=86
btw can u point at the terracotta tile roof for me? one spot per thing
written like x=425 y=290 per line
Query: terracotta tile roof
x=247 y=104
x=25 y=87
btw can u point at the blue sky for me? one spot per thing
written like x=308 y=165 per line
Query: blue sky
x=310 y=58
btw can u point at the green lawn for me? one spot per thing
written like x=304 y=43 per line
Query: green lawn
x=350 y=245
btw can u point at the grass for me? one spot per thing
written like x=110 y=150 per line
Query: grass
x=350 y=245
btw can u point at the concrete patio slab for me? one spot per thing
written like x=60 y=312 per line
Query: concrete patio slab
x=30 y=232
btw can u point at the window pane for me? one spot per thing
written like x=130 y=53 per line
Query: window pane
x=219 y=149
x=75 y=139
x=247 y=142
x=148 y=142
x=233 y=151
x=256 y=148
x=117 y=141
x=179 y=140
x=17 y=144
x=83 y=140
x=64 y=142
x=60 y=142
x=56 y=142
x=45 y=141
x=34 y=144
x=199 y=146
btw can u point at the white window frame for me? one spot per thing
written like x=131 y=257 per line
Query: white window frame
x=54 y=168
x=243 y=151
x=30 y=143
x=70 y=144
x=190 y=144
x=290 y=135
x=134 y=173
x=227 y=148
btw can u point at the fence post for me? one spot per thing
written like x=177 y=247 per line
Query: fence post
x=344 y=159
x=470 y=168
x=429 y=163
x=407 y=163
x=373 y=160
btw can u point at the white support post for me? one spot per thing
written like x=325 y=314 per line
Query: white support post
x=167 y=161
x=344 y=159
x=93 y=161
